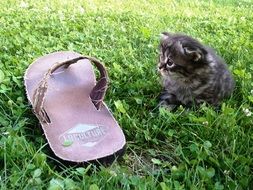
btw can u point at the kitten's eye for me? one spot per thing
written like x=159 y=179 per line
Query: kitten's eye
x=169 y=62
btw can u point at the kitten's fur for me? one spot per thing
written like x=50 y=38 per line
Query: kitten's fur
x=191 y=73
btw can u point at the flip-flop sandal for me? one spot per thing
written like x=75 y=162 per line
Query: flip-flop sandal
x=68 y=102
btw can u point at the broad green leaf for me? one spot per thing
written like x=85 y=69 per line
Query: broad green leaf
x=210 y=172
x=67 y=143
x=30 y=166
x=250 y=98
x=80 y=170
x=194 y=148
x=164 y=186
x=156 y=161
x=69 y=184
x=56 y=184
x=138 y=100
x=119 y=106
x=37 y=173
x=207 y=144
x=171 y=132
x=94 y=187
x=218 y=186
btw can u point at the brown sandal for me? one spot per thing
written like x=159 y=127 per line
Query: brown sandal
x=68 y=102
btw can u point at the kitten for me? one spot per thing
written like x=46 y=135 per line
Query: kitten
x=191 y=73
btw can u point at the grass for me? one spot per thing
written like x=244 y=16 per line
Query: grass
x=195 y=149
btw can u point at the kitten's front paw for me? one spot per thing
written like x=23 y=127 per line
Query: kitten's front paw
x=168 y=107
x=168 y=101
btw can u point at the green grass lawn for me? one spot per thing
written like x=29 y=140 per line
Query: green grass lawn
x=188 y=149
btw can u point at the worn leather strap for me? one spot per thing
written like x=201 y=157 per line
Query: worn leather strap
x=97 y=94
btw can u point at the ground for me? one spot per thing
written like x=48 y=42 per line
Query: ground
x=201 y=148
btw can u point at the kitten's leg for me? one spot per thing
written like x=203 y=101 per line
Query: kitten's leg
x=168 y=100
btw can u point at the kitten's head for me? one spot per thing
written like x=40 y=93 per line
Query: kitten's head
x=180 y=55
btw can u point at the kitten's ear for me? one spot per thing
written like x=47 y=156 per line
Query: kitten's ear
x=164 y=36
x=195 y=54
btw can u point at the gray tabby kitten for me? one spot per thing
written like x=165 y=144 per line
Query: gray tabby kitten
x=191 y=73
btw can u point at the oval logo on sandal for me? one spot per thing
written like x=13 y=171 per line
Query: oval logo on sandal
x=84 y=134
